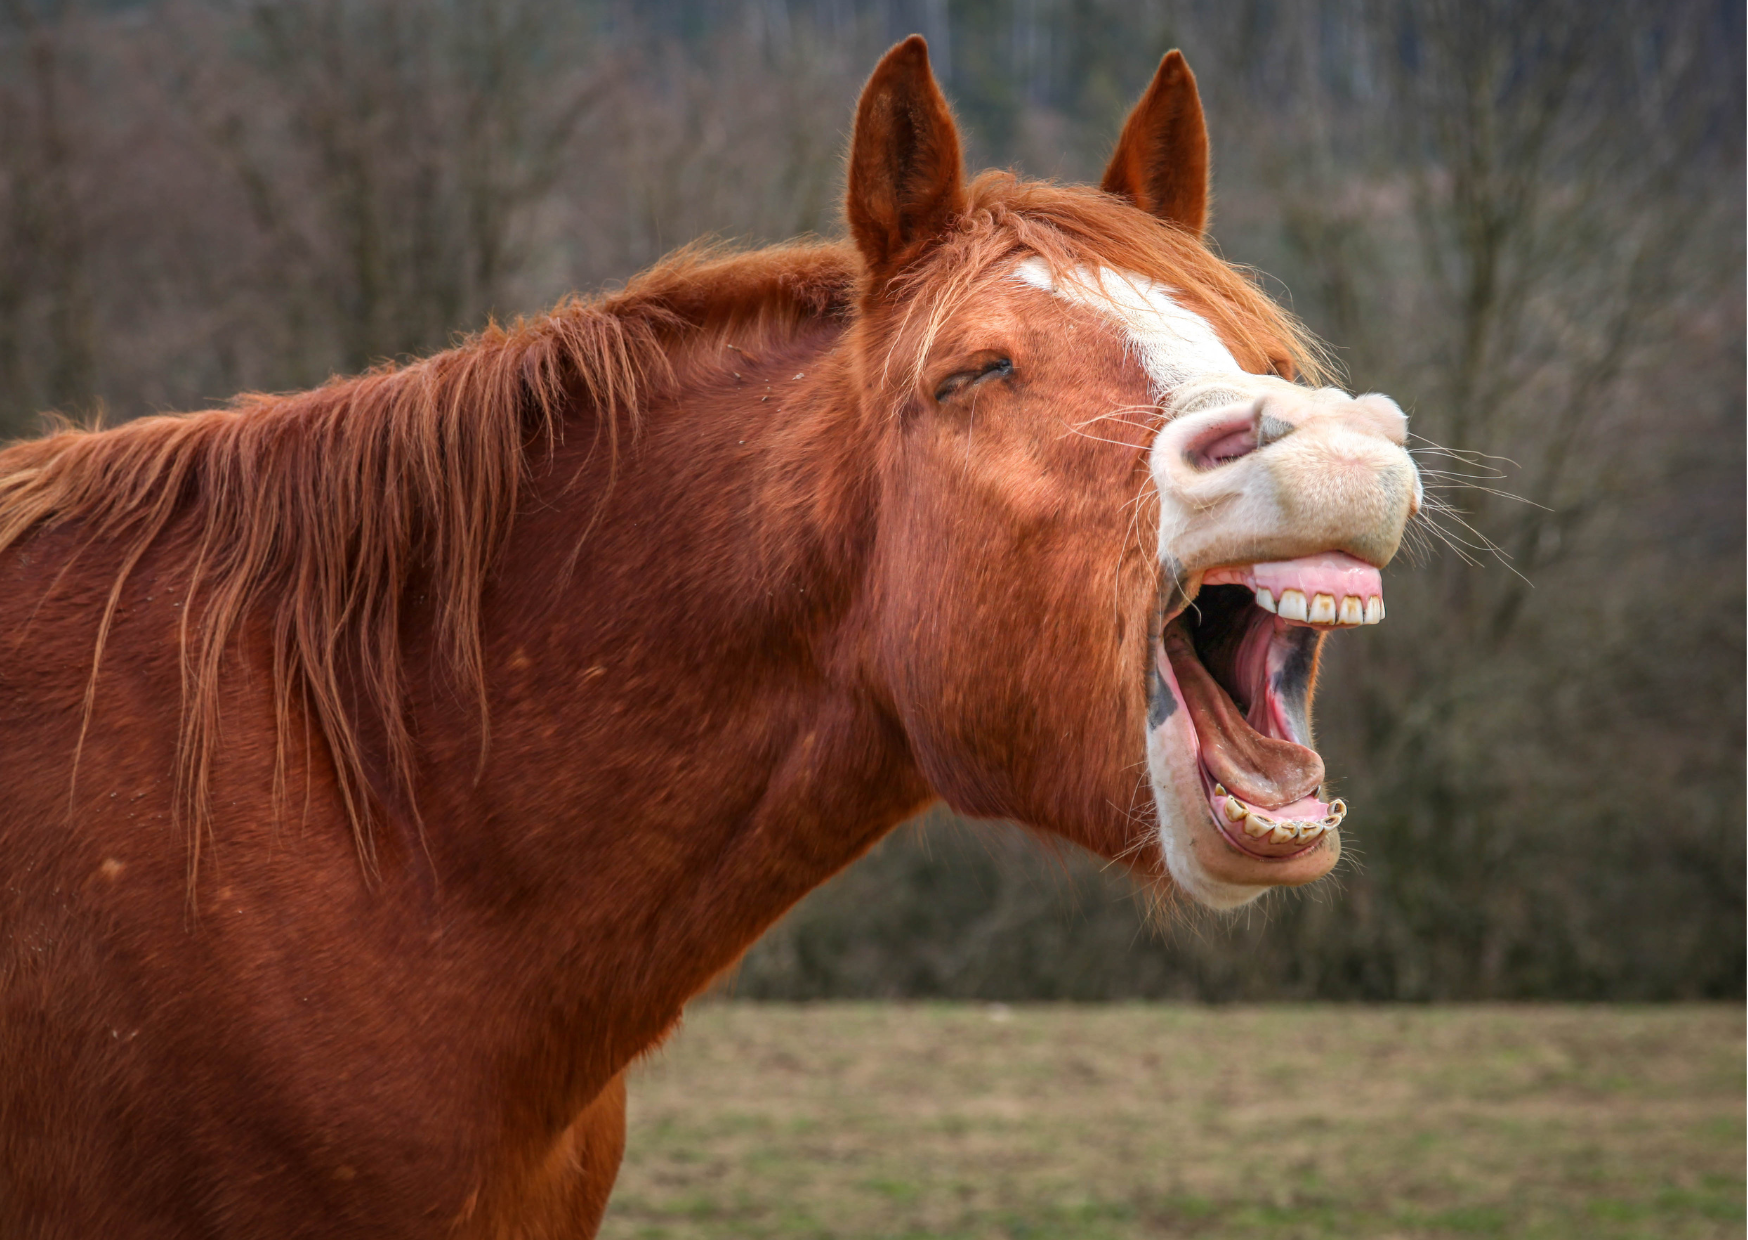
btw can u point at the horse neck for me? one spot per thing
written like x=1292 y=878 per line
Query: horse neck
x=682 y=744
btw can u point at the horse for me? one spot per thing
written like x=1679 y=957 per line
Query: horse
x=386 y=765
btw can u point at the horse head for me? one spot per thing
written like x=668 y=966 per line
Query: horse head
x=1118 y=517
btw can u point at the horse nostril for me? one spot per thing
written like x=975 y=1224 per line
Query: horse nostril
x=1236 y=437
x=1228 y=447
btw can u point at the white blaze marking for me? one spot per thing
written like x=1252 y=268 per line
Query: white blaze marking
x=1175 y=346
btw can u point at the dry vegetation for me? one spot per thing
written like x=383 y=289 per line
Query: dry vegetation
x=853 y=1120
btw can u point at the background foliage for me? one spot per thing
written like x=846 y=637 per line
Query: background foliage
x=1523 y=218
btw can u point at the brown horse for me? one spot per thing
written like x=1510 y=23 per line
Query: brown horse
x=386 y=765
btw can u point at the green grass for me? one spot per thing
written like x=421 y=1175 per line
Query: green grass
x=858 y=1121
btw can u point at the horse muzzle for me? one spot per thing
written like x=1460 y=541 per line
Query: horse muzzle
x=1277 y=512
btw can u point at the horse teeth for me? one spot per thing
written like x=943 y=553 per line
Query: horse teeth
x=1322 y=609
x=1374 y=610
x=1265 y=599
x=1219 y=790
x=1292 y=605
x=1353 y=609
x=1279 y=830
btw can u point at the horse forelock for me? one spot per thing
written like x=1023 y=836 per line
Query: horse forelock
x=1072 y=229
x=318 y=509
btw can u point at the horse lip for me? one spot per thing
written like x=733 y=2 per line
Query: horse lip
x=1273 y=857
x=1239 y=844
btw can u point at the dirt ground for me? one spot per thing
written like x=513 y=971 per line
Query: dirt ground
x=954 y=1120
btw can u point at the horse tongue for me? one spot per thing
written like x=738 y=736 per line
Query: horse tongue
x=1260 y=769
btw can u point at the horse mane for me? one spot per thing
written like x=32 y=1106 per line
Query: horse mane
x=321 y=507
x=318 y=511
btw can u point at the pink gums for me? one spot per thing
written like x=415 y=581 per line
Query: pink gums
x=1334 y=573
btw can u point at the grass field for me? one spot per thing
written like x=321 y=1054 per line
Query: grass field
x=876 y=1120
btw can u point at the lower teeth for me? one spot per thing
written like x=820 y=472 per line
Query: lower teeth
x=1279 y=830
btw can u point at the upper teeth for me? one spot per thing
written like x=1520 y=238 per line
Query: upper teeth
x=1323 y=608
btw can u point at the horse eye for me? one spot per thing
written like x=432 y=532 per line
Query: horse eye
x=998 y=368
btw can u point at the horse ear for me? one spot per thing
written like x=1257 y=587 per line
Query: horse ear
x=905 y=183
x=1161 y=160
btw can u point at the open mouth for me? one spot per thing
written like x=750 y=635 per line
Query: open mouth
x=1242 y=657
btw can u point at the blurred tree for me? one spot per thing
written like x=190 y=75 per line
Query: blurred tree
x=47 y=329
x=390 y=150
